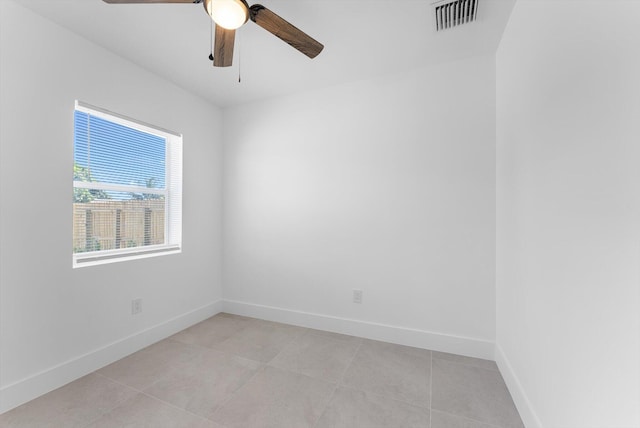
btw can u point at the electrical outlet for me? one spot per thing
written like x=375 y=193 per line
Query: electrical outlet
x=136 y=306
x=357 y=296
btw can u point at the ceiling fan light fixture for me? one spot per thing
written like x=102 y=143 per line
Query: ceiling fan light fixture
x=228 y=14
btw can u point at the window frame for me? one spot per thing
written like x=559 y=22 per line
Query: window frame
x=172 y=193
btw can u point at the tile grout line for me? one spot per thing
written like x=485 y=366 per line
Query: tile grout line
x=333 y=393
x=261 y=368
x=474 y=367
x=118 y=382
x=237 y=391
x=284 y=346
x=430 y=388
x=467 y=364
x=220 y=351
x=386 y=397
x=339 y=382
x=261 y=365
x=177 y=407
x=115 y=406
x=471 y=419
x=399 y=400
x=353 y=357
x=147 y=395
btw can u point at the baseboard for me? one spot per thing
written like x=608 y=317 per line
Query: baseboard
x=38 y=384
x=388 y=333
x=520 y=398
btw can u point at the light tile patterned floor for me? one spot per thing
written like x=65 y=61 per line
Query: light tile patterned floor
x=237 y=372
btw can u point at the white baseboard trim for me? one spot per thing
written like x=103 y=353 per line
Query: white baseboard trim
x=388 y=333
x=520 y=398
x=27 y=389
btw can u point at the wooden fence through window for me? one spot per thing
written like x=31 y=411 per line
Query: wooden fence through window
x=112 y=224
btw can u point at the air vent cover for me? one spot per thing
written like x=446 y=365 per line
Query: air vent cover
x=452 y=13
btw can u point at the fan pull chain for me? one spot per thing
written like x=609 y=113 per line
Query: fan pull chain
x=239 y=57
x=211 y=41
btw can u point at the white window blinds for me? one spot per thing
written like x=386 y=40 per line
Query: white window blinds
x=127 y=188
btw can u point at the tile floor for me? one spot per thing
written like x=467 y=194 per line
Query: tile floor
x=236 y=372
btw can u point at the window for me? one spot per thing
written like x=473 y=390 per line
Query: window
x=127 y=188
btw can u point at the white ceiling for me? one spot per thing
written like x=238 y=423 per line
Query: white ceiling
x=362 y=38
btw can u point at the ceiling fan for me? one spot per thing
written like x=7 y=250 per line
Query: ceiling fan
x=230 y=15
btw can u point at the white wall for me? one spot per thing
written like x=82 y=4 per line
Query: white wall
x=568 y=279
x=57 y=323
x=385 y=185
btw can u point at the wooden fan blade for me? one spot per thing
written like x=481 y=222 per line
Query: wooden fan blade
x=150 y=1
x=223 y=48
x=285 y=31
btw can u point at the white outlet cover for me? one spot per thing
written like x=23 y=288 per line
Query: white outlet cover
x=357 y=296
x=136 y=306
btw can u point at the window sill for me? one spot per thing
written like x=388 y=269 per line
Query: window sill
x=103 y=257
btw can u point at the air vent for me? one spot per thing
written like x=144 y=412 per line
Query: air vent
x=454 y=13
